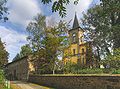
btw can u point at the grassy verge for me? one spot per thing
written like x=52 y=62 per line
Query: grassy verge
x=3 y=82
x=78 y=75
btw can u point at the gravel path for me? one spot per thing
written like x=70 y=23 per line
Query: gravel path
x=25 y=85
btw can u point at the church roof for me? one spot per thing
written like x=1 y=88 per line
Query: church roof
x=75 y=23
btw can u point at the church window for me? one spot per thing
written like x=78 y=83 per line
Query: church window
x=74 y=37
x=83 y=60
x=83 y=50
x=73 y=51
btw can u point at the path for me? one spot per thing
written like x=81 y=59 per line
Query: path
x=25 y=85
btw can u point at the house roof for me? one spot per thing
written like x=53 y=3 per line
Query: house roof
x=16 y=60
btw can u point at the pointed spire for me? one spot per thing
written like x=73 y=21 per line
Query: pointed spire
x=75 y=23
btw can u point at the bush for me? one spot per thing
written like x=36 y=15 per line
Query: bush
x=116 y=71
x=88 y=71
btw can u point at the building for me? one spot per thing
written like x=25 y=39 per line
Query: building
x=19 y=69
x=79 y=51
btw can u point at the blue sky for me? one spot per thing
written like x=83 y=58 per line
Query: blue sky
x=21 y=12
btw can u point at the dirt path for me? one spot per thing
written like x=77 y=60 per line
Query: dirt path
x=24 y=85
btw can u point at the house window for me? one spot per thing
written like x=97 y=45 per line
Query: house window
x=74 y=37
x=73 y=51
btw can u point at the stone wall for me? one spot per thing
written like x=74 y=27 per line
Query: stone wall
x=78 y=81
x=17 y=70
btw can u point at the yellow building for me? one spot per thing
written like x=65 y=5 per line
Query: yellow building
x=79 y=50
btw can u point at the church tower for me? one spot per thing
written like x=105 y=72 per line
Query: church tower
x=77 y=50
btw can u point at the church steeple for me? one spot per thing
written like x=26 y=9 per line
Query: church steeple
x=75 y=23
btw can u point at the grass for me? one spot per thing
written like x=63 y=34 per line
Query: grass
x=78 y=75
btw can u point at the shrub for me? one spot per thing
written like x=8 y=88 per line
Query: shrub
x=116 y=71
x=90 y=71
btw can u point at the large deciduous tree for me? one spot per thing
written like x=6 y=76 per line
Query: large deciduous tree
x=3 y=54
x=111 y=9
x=46 y=42
x=102 y=23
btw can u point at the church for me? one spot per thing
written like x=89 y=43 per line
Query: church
x=79 y=51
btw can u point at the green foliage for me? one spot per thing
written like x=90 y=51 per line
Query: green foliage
x=2 y=80
x=3 y=54
x=17 y=57
x=36 y=32
x=102 y=23
x=59 y=5
x=96 y=31
x=89 y=71
x=3 y=10
x=1 y=76
x=25 y=50
x=116 y=71
x=111 y=9
x=113 y=60
x=71 y=68
x=47 y=43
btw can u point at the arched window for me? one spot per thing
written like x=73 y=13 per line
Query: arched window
x=74 y=37
x=81 y=39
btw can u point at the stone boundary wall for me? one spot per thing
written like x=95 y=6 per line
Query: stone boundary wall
x=77 y=82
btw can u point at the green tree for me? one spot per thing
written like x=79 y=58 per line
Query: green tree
x=36 y=32
x=54 y=45
x=111 y=9
x=97 y=32
x=25 y=50
x=3 y=54
x=59 y=5
x=3 y=10
x=113 y=60
x=46 y=42
x=102 y=25
x=17 y=57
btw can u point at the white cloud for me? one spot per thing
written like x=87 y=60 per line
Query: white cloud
x=81 y=7
x=22 y=11
x=13 y=40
